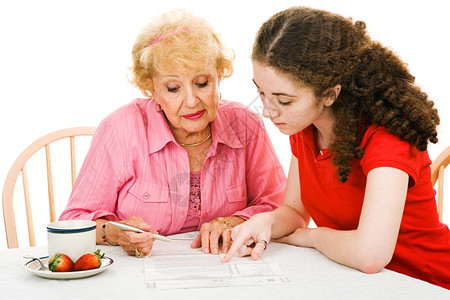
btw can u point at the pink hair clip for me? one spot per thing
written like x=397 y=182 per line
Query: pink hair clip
x=170 y=33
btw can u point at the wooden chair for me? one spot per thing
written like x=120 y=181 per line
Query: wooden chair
x=19 y=166
x=437 y=174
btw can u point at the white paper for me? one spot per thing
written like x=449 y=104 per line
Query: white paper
x=176 y=265
x=185 y=236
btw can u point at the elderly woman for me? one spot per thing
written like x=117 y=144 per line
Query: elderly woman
x=182 y=159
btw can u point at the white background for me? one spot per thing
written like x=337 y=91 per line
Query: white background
x=65 y=63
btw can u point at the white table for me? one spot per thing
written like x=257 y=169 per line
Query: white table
x=311 y=275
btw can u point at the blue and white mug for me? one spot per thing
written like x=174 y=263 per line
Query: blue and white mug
x=73 y=238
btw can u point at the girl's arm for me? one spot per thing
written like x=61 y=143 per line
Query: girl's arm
x=291 y=215
x=283 y=220
x=370 y=247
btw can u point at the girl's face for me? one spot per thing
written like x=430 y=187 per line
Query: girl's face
x=289 y=105
x=189 y=100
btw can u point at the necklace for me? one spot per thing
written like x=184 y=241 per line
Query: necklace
x=195 y=144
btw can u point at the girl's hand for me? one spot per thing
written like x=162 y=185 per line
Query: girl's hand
x=258 y=228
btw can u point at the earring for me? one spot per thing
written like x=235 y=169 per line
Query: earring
x=158 y=107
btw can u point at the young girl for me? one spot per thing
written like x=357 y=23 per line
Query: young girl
x=359 y=129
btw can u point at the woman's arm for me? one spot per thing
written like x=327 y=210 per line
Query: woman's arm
x=94 y=194
x=370 y=247
x=128 y=240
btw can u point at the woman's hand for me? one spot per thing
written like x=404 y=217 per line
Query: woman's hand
x=211 y=233
x=135 y=244
x=259 y=229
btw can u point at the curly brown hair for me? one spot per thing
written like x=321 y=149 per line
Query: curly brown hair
x=322 y=49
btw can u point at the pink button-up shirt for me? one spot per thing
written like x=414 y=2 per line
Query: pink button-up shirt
x=135 y=167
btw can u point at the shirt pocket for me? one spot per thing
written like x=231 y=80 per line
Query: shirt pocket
x=149 y=192
x=237 y=193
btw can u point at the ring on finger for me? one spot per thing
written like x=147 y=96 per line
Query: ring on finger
x=262 y=242
x=138 y=253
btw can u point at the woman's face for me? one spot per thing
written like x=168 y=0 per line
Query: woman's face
x=290 y=106
x=189 y=100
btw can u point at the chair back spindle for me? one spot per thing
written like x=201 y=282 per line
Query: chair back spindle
x=437 y=175
x=19 y=166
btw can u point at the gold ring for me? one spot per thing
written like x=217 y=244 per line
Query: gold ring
x=138 y=253
x=263 y=242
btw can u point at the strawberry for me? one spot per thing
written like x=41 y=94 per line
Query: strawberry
x=60 y=263
x=89 y=261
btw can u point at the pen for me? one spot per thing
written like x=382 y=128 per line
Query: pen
x=131 y=228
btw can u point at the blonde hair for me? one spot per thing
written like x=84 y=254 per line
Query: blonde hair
x=177 y=40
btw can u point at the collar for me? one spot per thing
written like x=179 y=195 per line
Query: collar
x=224 y=128
x=308 y=138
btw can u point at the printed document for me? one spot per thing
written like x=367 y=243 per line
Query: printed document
x=176 y=265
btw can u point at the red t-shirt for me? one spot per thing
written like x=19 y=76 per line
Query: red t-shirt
x=423 y=245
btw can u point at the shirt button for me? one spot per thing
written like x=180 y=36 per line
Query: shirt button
x=146 y=195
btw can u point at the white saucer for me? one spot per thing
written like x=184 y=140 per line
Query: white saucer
x=33 y=266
